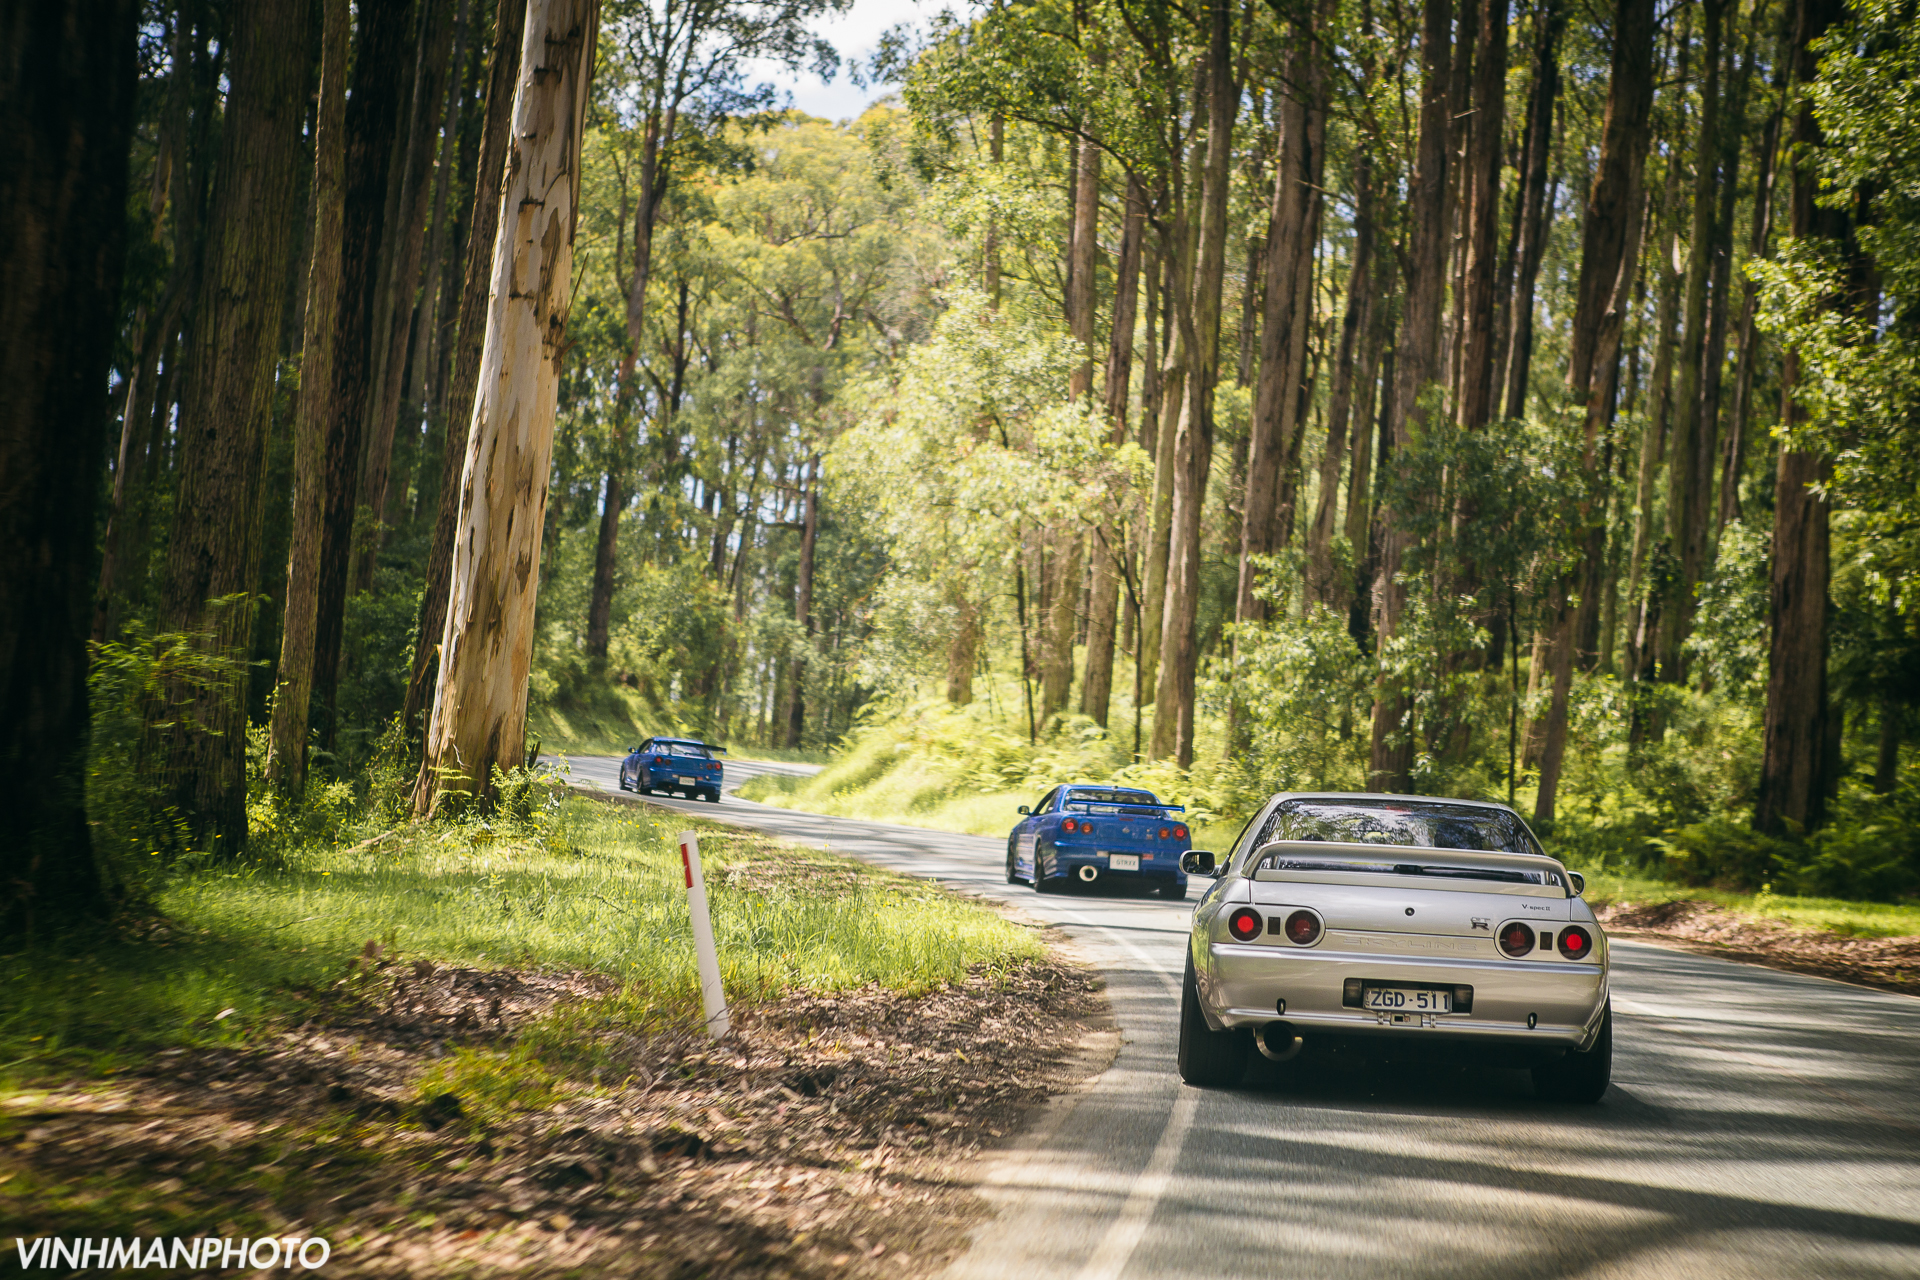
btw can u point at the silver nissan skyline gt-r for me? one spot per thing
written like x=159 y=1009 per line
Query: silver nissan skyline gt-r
x=1401 y=927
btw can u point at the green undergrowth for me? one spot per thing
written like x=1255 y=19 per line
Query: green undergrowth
x=235 y=950
x=965 y=769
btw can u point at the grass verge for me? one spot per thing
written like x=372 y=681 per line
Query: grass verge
x=476 y=1049
x=1829 y=915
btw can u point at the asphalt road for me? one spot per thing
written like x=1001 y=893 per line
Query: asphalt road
x=1761 y=1125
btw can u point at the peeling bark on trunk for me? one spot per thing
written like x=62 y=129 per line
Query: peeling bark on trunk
x=480 y=705
x=287 y=764
x=67 y=91
x=469 y=340
x=214 y=548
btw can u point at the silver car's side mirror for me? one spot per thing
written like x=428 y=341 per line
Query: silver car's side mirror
x=1025 y=810
x=1197 y=862
x=1579 y=882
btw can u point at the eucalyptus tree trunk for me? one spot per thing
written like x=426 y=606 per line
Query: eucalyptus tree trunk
x=1747 y=341
x=393 y=309
x=1193 y=446
x=1719 y=308
x=382 y=49
x=1795 y=727
x=214 y=551
x=503 y=71
x=480 y=705
x=67 y=92
x=287 y=764
x=1109 y=544
x=1417 y=361
x=1608 y=252
x=1481 y=189
x=1653 y=439
x=1530 y=231
x=1178 y=251
x=1284 y=325
x=1062 y=622
x=1690 y=470
x=1347 y=364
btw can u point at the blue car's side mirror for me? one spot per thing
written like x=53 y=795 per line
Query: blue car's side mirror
x=1024 y=809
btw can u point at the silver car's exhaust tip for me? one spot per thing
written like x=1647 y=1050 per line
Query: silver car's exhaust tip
x=1278 y=1043
x=1089 y=874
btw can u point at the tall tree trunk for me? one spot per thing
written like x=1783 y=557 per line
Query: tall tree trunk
x=1653 y=440
x=287 y=765
x=1608 y=254
x=383 y=45
x=1283 y=329
x=1479 y=341
x=480 y=705
x=795 y=717
x=1794 y=731
x=1178 y=297
x=1417 y=359
x=1535 y=210
x=394 y=308
x=1690 y=471
x=1193 y=447
x=1109 y=550
x=1747 y=341
x=469 y=339
x=1322 y=585
x=214 y=549
x=1062 y=622
x=1732 y=143
x=67 y=89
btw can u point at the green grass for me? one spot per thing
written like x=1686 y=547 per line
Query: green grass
x=596 y=887
x=1835 y=915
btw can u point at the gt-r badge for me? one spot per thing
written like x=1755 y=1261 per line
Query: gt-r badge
x=1481 y=922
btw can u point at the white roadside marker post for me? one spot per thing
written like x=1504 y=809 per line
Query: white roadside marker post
x=705 y=954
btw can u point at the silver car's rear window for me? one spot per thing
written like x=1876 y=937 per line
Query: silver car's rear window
x=1417 y=824
x=1288 y=862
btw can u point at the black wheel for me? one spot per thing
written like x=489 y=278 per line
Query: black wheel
x=713 y=796
x=1012 y=878
x=1208 y=1058
x=1580 y=1077
x=623 y=782
x=1174 y=890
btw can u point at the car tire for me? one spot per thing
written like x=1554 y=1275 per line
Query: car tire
x=1012 y=876
x=1209 y=1059
x=1579 y=1077
x=1176 y=891
x=1040 y=882
x=713 y=795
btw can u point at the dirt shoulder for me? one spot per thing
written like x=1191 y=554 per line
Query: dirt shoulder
x=1891 y=964
x=433 y=1118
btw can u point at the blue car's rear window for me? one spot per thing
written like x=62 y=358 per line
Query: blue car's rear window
x=693 y=749
x=1104 y=800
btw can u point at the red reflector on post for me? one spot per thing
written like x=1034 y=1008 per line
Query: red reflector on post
x=1244 y=924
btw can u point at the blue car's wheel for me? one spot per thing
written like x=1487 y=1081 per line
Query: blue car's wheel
x=1013 y=860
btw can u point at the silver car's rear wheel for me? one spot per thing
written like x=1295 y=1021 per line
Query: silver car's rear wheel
x=1580 y=1077
x=1208 y=1058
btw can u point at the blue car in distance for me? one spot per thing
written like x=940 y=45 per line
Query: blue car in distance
x=674 y=764
x=1097 y=834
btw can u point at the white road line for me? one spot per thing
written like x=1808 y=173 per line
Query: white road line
x=1124 y=1236
x=1166 y=979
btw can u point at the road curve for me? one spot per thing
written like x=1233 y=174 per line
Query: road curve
x=1761 y=1125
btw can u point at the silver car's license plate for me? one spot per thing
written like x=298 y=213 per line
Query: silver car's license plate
x=1123 y=862
x=686 y=782
x=1403 y=1000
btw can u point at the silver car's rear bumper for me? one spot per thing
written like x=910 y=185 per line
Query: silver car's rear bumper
x=1540 y=1003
